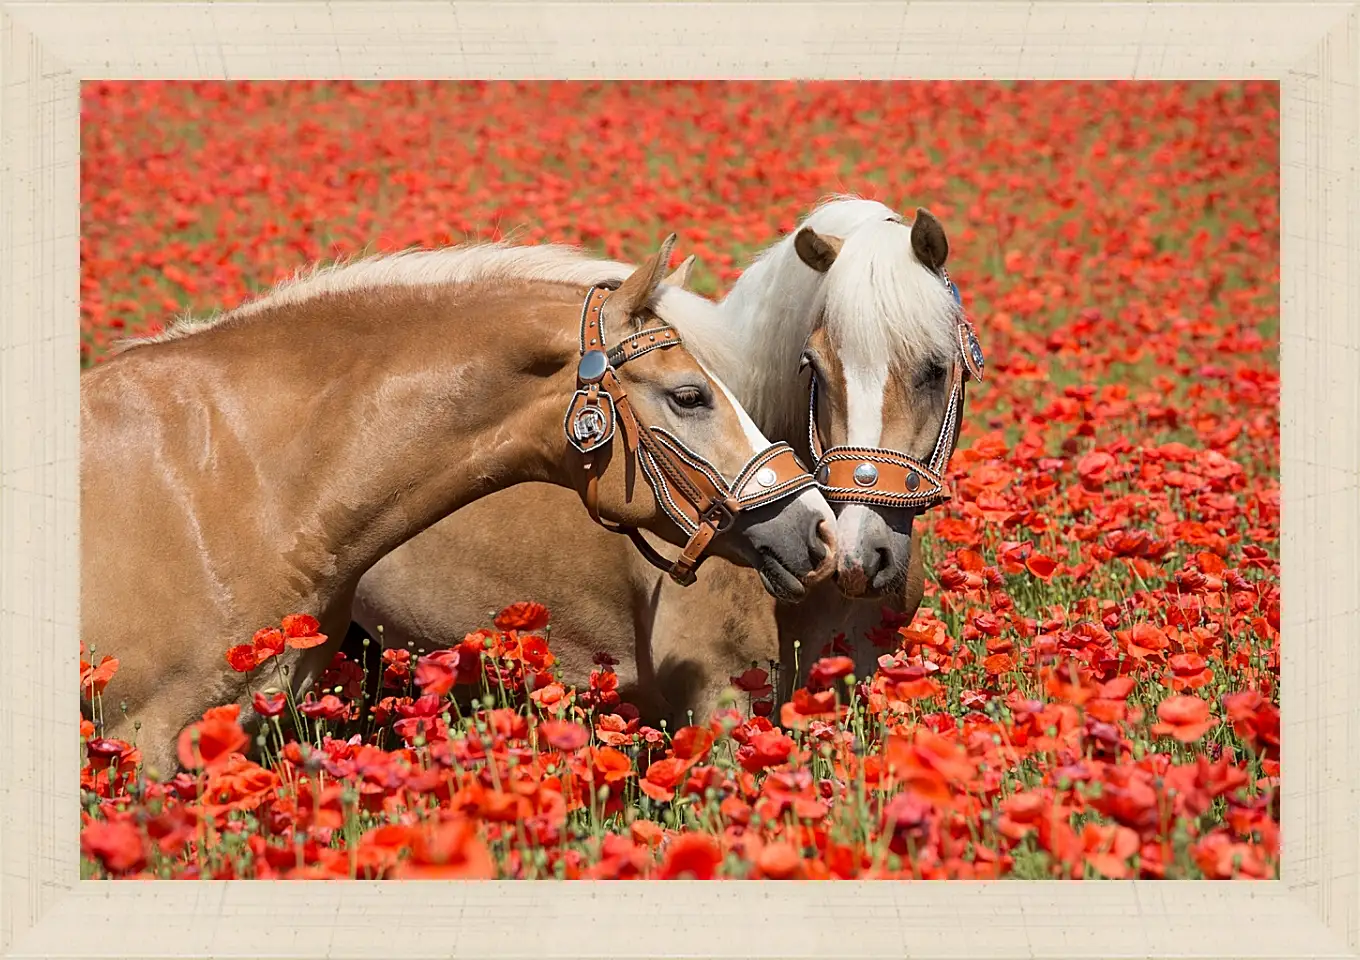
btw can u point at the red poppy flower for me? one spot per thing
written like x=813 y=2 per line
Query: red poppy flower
x=1183 y=717
x=269 y=705
x=928 y=764
x=101 y=748
x=552 y=697
x=268 y=642
x=1021 y=812
x=780 y=861
x=211 y=742
x=662 y=778
x=564 y=735
x=523 y=616
x=691 y=743
x=610 y=765
x=302 y=631
x=242 y=658
x=1254 y=719
x=1041 y=566
x=807 y=706
x=952 y=578
x=94 y=679
x=646 y=832
x=1189 y=671
x=764 y=750
x=690 y=856
x=119 y=846
x=825 y=672
x=1094 y=468
x=1145 y=641
x=756 y=682
x=437 y=673
x=330 y=707
x=451 y=850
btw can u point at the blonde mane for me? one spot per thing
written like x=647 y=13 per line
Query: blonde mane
x=695 y=317
x=882 y=302
x=877 y=300
x=878 y=303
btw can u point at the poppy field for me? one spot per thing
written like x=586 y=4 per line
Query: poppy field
x=1091 y=686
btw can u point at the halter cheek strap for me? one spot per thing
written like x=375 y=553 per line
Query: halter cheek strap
x=878 y=477
x=689 y=490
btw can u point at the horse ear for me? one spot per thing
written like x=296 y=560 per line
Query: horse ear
x=633 y=296
x=928 y=241
x=680 y=275
x=817 y=251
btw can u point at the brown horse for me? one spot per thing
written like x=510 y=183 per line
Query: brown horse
x=237 y=470
x=862 y=298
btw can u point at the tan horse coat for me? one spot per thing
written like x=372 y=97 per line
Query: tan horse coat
x=258 y=465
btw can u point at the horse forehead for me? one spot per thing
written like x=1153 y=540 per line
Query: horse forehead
x=864 y=373
x=865 y=401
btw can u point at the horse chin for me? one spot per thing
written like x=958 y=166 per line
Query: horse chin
x=853 y=590
x=854 y=585
x=779 y=582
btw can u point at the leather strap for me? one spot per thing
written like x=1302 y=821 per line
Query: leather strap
x=690 y=490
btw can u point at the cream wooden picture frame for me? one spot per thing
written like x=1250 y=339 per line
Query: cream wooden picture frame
x=48 y=48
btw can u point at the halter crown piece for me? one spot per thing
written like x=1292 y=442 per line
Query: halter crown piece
x=689 y=489
x=877 y=477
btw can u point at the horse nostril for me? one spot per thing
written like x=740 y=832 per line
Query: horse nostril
x=878 y=560
x=823 y=539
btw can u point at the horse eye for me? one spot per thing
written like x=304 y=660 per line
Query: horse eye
x=931 y=374
x=803 y=362
x=688 y=397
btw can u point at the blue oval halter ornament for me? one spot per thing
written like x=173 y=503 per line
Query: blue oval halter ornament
x=592 y=366
x=971 y=350
x=969 y=347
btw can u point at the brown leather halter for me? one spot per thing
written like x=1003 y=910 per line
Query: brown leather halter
x=690 y=490
x=877 y=477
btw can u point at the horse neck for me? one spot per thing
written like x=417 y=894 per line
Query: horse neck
x=772 y=310
x=399 y=409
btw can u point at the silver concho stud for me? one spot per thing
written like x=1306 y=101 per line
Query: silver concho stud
x=975 y=349
x=913 y=481
x=766 y=477
x=866 y=474
x=588 y=426
x=823 y=474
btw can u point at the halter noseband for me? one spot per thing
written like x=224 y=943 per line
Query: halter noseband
x=877 y=477
x=689 y=489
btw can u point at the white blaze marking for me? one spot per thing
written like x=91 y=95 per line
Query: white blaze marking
x=864 y=391
x=864 y=405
